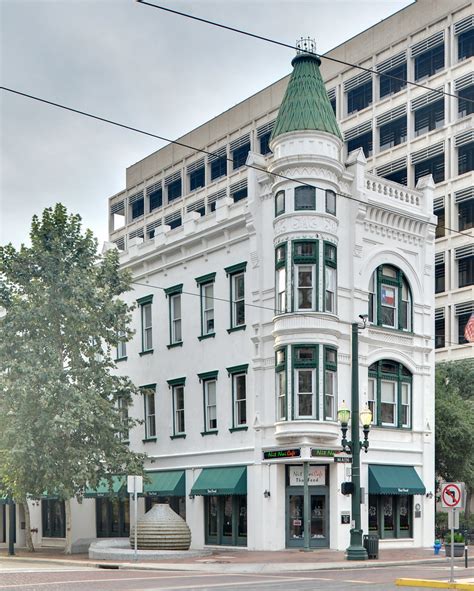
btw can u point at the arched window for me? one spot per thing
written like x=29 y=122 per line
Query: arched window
x=389 y=394
x=390 y=301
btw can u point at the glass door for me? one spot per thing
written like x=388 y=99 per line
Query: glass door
x=319 y=530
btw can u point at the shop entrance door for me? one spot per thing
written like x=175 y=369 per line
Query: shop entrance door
x=319 y=528
x=226 y=520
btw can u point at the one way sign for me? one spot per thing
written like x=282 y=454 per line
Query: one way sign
x=452 y=496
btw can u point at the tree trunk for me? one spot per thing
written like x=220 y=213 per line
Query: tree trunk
x=467 y=510
x=68 y=546
x=28 y=537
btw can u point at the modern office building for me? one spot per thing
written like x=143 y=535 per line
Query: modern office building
x=250 y=262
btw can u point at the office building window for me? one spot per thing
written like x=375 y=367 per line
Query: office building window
x=440 y=277
x=264 y=143
x=466 y=45
x=330 y=277
x=218 y=166
x=137 y=208
x=389 y=394
x=359 y=97
x=197 y=178
x=239 y=191
x=149 y=412
x=280 y=279
x=239 y=155
x=466 y=214
x=440 y=333
x=305 y=198
x=236 y=274
x=281 y=386
x=155 y=199
x=305 y=259
x=463 y=319
x=363 y=141
x=466 y=101
x=393 y=133
x=440 y=227
x=466 y=158
x=466 y=271
x=330 y=384
x=399 y=176
x=429 y=62
x=390 y=301
x=429 y=117
x=305 y=363
x=146 y=323
x=393 y=80
x=433 y=166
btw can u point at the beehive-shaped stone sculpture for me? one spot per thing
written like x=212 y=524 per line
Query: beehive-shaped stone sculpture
x=161 y=529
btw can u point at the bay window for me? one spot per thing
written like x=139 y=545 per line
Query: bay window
x=389 y=395
x=390 y=300
x=305 y=256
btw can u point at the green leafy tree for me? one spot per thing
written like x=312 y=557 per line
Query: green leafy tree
x=454 y=447
x=60 y=426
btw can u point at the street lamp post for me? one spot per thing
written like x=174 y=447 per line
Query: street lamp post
x=356 y=550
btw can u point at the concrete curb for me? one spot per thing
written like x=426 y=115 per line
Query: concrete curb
x=434 y=584
x=228 y=567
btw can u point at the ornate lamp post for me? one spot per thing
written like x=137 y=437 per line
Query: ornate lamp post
x=356 y=550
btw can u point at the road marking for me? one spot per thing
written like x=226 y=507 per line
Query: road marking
x=226 y=584
x=359 y=582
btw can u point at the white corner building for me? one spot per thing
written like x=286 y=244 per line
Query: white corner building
x=309 y=205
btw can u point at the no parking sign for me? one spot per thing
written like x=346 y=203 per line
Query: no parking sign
x=452 y=495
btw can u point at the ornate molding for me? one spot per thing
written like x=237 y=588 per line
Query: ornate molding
x=301 y=223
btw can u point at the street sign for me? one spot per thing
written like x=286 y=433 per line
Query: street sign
x=453 y=519
x=452 y=495
x=134 y=484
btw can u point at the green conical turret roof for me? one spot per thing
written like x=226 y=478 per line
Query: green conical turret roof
x=306 y=104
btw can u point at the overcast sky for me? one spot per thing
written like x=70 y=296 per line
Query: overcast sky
x=139 y=66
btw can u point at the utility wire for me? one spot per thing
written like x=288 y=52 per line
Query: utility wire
x=194 y=149
x=247 y=305
x=289 y=46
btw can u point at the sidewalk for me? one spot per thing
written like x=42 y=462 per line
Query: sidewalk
x=244 y=561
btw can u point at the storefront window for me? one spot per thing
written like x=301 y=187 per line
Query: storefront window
x=373 y=514
x=390 y=516
x=212 y=516
x=53 y=518
x=178 y=504
x=112 y=517
x=388 y=519
x=242 y=520
x=226 y=520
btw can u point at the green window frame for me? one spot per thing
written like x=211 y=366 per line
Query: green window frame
x=145 y=305
x=279 y=203
x=177 y=398
x=305 y=275
x=391 y=516
x=330 y=277
x=121 y=349
x=281 y=384
x=238 y=375
x=209 y=399
x=174 y=315
x=390 y=394
x=149 y=411
x=236 y=274
x=390 y=299
x=206 y=296
x=123 y=406
x=305 y=388
x=330 y=384
x=305 y=198
x=280 y=279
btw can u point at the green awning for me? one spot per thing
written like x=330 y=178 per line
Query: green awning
x=221 y=481
x=395 y=480
x=119 y=487
x=165 y=484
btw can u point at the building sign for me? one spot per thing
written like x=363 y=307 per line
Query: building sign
x=316 y=475
x=279 y=454
x=345 y=517
x=323 y=453
x=343 y=459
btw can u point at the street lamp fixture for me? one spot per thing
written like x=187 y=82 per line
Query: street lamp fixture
x=365 y=417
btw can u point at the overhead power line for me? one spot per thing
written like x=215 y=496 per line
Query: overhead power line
x=209 y=153
x=289 y=46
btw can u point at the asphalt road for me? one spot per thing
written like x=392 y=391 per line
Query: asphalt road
x=26 y=577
